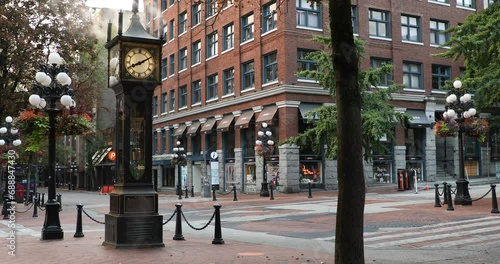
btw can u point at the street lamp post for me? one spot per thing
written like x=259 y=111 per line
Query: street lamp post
x=179 y=159
x=52 y=85
x=73 y=169
x=459 y=106
x=265 y=147
x=8 y=136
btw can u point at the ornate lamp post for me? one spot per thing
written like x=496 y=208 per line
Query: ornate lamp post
x=179 y=158
x=8 y=136
x=265 y=147
x=459 y=107
x=52 y=85
x=73 y=169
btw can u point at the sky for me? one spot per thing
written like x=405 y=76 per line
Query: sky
x=116 y=4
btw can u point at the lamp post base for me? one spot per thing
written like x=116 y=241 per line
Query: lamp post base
x=264 y=191
x=52 y=226
x=462 y=197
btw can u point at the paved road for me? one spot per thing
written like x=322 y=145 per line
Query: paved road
x=400 y=227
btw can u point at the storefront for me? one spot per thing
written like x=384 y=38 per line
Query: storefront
x=311 y=172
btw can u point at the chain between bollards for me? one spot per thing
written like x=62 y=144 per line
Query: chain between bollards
x=218 y=228
x=178 y=223
x=450 y=201
x=437 y=202
x=494 y=203
x=79 y=231
x=234 y=193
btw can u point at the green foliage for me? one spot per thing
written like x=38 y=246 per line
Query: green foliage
x=378 y=115
x=477 y=41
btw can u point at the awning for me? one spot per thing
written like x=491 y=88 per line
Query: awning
x=207 y=127
x=305 y=108
x=179 y=131
x=225 y=123
x=244 y=119
x=193 y=128
x=419 y=119
x=267 y=114
x=99 y=155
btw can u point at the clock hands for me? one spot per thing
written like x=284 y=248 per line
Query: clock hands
x=139 y=63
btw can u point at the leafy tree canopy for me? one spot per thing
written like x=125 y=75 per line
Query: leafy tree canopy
x=477 y=41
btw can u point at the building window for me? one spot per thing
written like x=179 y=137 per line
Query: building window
x=440 y=1
x=247 y=28
x=163 y=141
x=182 y=96
x=270 y=67
x=212 y=44
x=155 y=143
x=171 y=26
x=379 y=23
x=172 y=2
x=229 y=81
x=165 y=31
x=164 y=102
x=269 y=15
x=248 y=79
x=467 y=3
x=155 y=105
x=182 y=22
x=196 y=15
x=440 y=74
x=308 y=14
x=182 y=59
x=490 y=2
x=410 y=28
x=412 y=75
x=212 y=82
x=386 y=79
x=163 y=5
x=354 y=15
x=172 y=64
x=211 y=7
x=164 y=68
x=148 y=13
x=196 y=92
x=172 y=100
x=438 y=36
x=304 y=63
x=228 y=36
x=196 y=56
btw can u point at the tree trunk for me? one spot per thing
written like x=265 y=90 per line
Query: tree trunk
x=349 y=247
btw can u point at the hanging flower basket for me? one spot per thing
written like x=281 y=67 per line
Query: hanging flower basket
x=446 y=128
x=476 y=127
x=32 y=120
x=73 y=124
x=67 y=122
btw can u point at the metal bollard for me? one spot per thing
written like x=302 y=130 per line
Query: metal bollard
x=69 y=186
x=35 y=211
x=79 y=231
x=43 y=200
x=271 y=189
x=218 y=229
x=178 y=222
x=192 y=190
x=437 y=200
x=310 y=193
x=494 y=203
x=6 y=203
x=58 y=198
x=39 y=198
x=450 y=201
x=234 y=193
x=187 y=192
x=445 y=195
x=214 y=198
x=179 y=192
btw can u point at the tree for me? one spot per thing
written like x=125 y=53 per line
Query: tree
x=477 y=41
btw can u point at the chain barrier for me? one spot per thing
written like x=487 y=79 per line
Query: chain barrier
x=41 y=208
x=475 y=200
x=221 y=193
x=21 y=212
x=197 y=229
x=97 y=221
x=172 y=216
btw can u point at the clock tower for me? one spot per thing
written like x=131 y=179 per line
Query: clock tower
x=134 y=58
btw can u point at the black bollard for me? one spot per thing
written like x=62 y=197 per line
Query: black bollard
x=179 y=192
x=445 y=195
x=192 y=190
x=178 y=222
x=218 y=229
x=271 y=189
x=187 y=192
x=79 y=231
x=234 y=193
x=69 y=186
x=58 y=198
x=39 y=198
x=43 y=200
x=437 y=200
x=310 y=193
x=494 y=203
x=6 y=203
x=214 y=198
x=35 y=211
x=450 y=201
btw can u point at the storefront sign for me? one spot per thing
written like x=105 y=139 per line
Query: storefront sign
x=183 y=175
x=497 y=170
x=214 y=172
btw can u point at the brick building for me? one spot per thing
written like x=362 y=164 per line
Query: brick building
x=226 y=70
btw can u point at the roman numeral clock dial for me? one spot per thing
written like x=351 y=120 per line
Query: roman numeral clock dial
x=139 y=63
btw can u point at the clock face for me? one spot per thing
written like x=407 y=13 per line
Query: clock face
x=139 y=62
